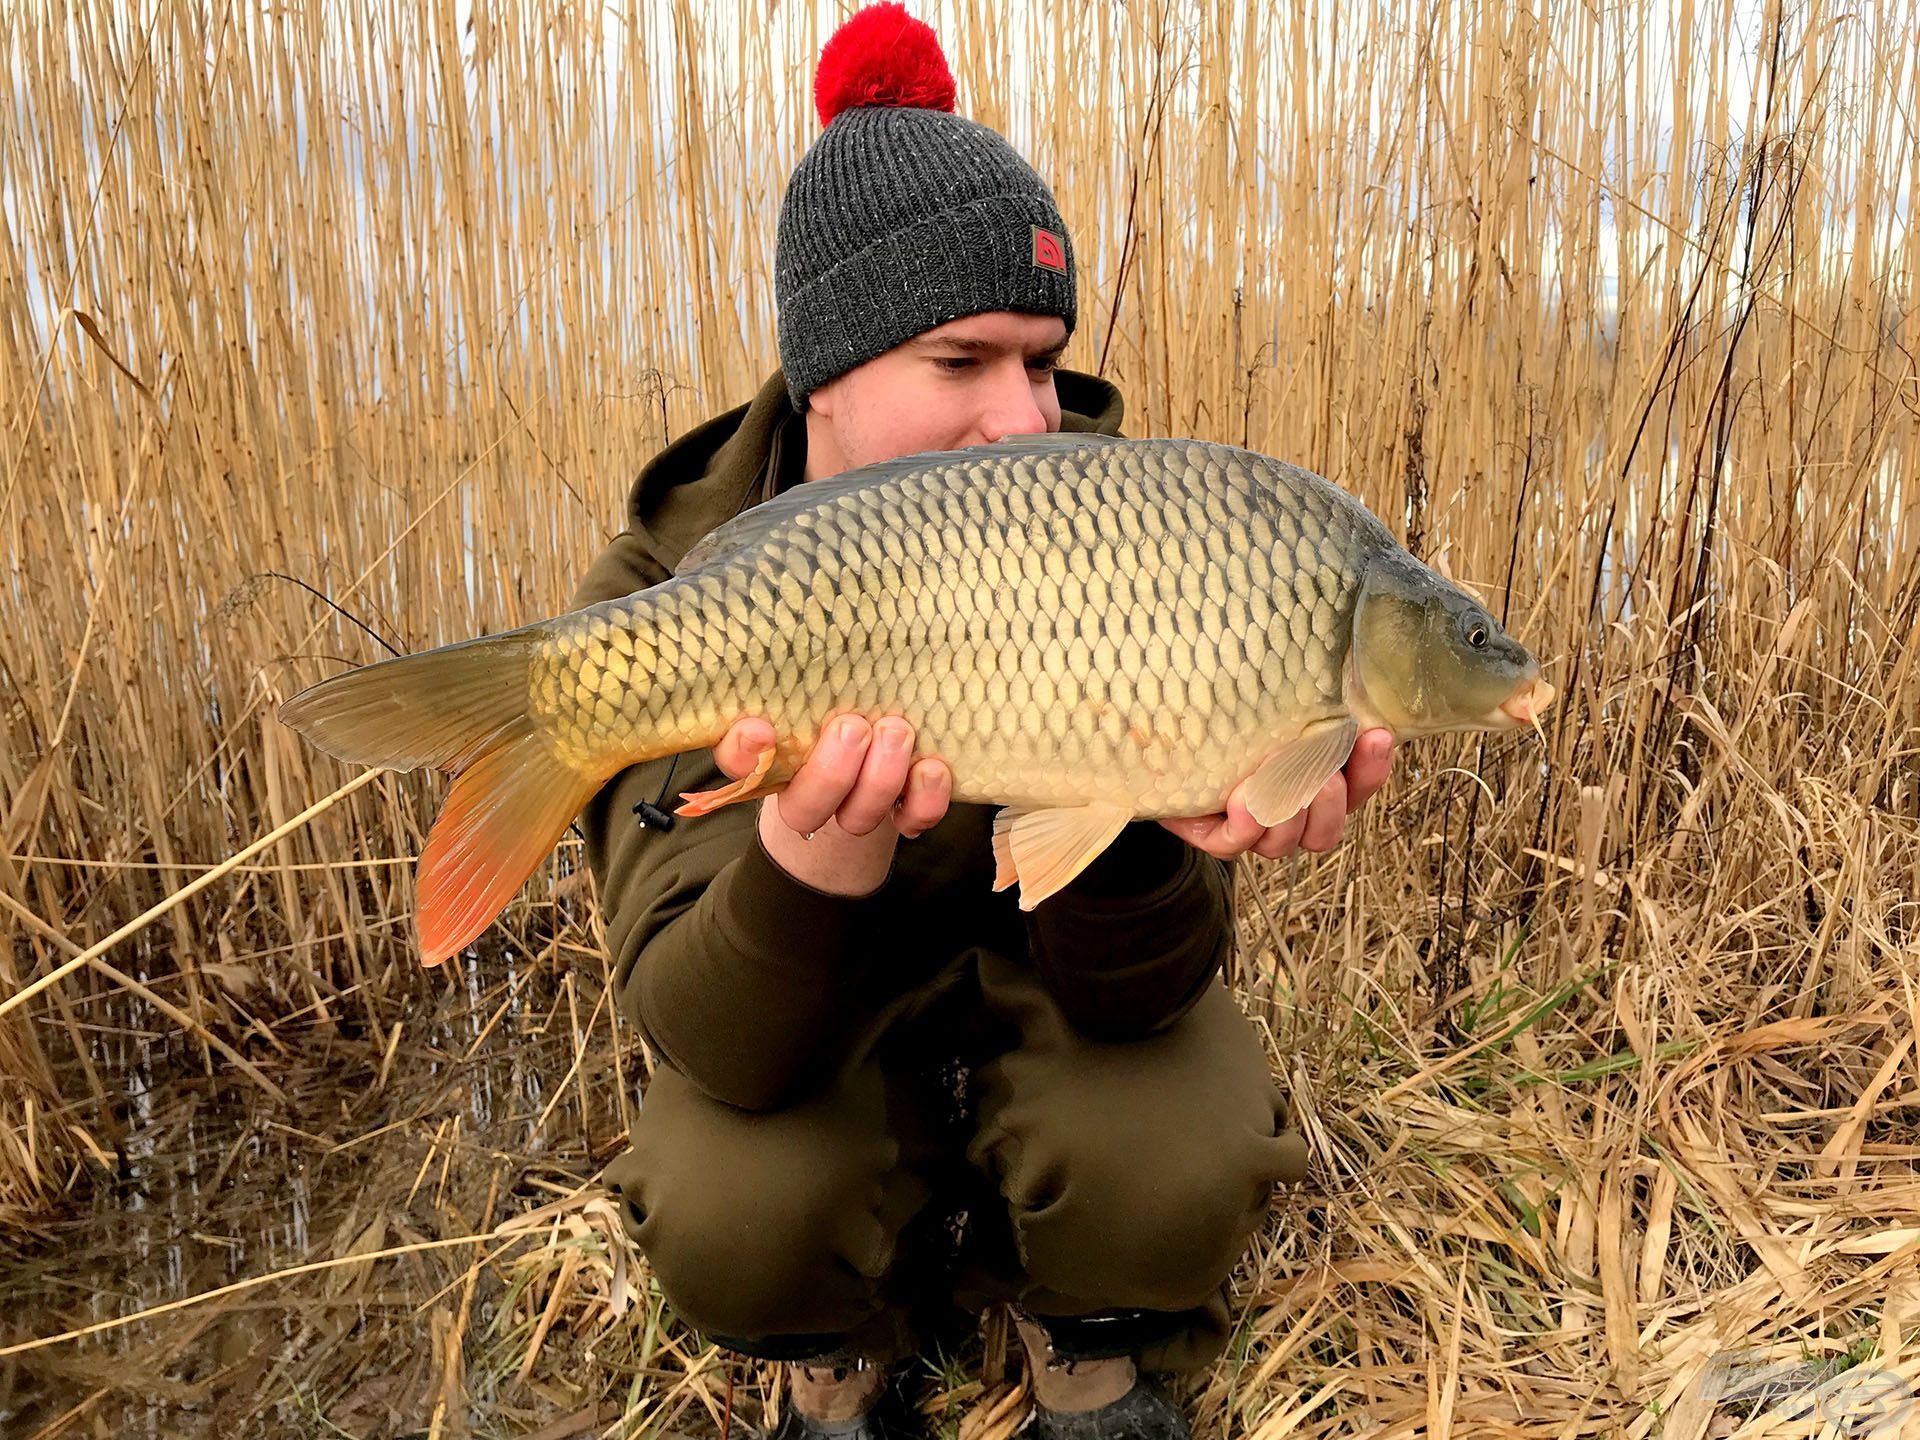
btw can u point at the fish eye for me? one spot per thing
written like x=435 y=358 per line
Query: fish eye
x=1476 y=630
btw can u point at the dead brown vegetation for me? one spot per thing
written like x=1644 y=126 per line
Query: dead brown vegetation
x=323 y=330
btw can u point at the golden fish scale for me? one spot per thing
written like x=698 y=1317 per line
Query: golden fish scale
x=1059 y=627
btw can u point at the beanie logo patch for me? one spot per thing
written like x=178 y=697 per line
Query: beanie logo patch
x=1049 y=251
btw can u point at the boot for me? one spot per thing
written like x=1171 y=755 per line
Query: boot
x=1096 y=1397
x=849 y=1400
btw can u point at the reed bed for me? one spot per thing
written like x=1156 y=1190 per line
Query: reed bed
x=327 y=331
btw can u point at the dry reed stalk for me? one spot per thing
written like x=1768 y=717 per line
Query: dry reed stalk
x=361 y=1259
x=1606 y=1047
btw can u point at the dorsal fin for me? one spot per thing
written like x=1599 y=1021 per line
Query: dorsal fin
x=750 y=527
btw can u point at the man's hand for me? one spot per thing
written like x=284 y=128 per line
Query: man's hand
x=855 y=794
x=1318 y=827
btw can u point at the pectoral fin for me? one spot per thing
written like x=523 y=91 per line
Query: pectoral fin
x=1044 y=849
x=764 y=780
x=1289 y=778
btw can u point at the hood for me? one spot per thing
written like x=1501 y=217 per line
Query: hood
x=755 y=451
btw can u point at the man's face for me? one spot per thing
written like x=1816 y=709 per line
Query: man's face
x=967 y=382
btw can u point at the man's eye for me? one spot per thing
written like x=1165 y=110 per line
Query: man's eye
x=1044 y=365
x=955 y=364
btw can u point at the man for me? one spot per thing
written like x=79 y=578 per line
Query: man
x=816 y=973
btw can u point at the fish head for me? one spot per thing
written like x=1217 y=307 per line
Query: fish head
x=1427 y=657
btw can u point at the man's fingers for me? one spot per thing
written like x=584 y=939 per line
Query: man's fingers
x=1318 y=828
x=1283 y=839
x=1368 y=766
x=1194 y=829
x=881 y=778
x=1224 y=836
x=929 y=792
x=741 y=746
x=819 y=787
x=1326 y=817
x=1240 y=831
x=1208 y=833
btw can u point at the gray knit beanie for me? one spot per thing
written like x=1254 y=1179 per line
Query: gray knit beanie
x=903 y=215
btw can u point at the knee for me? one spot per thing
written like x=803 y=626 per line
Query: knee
x=753 y=1230
x=1153 y=1220
x=1135 y=1173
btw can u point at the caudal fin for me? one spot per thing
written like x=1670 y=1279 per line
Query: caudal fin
x=461 y=709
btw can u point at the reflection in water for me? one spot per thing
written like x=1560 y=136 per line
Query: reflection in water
x=210 y=1181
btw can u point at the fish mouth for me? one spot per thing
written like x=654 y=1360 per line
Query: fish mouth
x=1525 y=706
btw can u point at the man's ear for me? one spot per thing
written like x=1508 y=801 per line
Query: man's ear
x=822 y=400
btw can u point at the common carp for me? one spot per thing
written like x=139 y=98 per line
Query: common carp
x=1088 y=630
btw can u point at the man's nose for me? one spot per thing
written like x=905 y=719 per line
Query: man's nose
x=1012 y=408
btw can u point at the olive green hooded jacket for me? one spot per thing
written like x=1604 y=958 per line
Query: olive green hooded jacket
x=752 y=984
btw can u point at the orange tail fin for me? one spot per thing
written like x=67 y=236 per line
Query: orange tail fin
x=461 y=709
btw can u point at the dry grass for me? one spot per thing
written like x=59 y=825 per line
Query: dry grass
x=314 y=334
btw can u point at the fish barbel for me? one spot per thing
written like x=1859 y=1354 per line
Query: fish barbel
x=1088 y=630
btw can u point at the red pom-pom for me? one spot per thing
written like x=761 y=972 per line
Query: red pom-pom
x=882 y=56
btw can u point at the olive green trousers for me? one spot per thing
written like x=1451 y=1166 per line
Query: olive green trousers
x=1093 y=1177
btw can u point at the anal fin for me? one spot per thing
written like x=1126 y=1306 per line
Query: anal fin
x=1044 y=849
